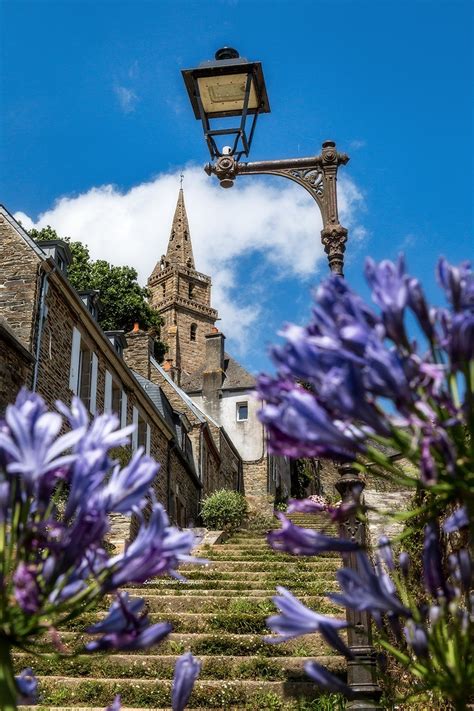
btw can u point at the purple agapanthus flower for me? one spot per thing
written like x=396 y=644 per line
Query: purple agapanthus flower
x=390 y=292
x=458 y=519
x=115 y=705
x=299 y=426
x=365 y=590
x=326 y=680
x=416 y=638
x=458 y=283
x=385 y=552
x=434 y=578
x=305 y=541
x=27 y=686
x=305 y=506
x=186 y=672
x=157 y=550
x=26 y=587
x=127 y=487
x=124 y=628
x=296 y=619
x=31 y=446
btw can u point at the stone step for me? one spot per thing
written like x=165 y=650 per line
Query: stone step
x=152 y=693
x=317 y=563
x=239 y=575
x=171 y=604
x=270 y=556
x=217 y=643
x=225 y=621
x=199 y=590
x=154 y=666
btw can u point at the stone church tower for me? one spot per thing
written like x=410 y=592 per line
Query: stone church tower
x=182 y=297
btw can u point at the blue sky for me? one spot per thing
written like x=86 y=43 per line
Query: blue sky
x=92 y=96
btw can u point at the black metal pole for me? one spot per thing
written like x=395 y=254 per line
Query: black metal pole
x=362 y=670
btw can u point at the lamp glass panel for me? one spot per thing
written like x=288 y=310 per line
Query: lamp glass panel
x=226 y=93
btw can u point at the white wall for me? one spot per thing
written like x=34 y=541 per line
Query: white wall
x=247 y=436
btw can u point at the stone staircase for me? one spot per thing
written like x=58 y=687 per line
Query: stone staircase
x=219 y=615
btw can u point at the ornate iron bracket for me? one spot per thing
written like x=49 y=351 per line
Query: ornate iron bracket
x=316 y=174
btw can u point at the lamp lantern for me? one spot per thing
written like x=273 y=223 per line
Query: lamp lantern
x=226 y=87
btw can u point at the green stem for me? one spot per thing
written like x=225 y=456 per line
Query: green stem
x=8 y=691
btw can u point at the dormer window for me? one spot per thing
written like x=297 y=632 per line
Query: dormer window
x=90 y=299
x=118 y=341
x=58 y=250
x=193 y=330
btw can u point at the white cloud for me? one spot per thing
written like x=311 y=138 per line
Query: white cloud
x=274 y=221
x=126 y=97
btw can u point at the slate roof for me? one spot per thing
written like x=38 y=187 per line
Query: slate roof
x=159 y=399
x=236 y=377
x=163 y=405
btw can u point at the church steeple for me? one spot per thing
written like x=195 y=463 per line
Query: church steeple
x=182 y=297
x=180 y=250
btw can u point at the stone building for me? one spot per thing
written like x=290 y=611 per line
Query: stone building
x=182 y=296
x=195 y=413
x=198 y=363
x=51 y=343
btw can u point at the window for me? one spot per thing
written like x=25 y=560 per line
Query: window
x=83 y=371
x=242 y=411
x=163 y=286
x=116 y=398
x=87 y=387
x=192 y=334
x=141 y=437
x=191 y=291
x=123 y=410
x=113 y=395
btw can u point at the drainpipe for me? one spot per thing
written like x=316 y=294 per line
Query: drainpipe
x=42 y=306
x=171 y=446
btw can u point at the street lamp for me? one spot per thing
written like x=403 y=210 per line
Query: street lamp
x=231 y=86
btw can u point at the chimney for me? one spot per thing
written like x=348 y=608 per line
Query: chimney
x=214 y=358
x=213 y=375
x=139 y=350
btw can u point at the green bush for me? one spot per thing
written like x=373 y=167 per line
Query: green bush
x=224 y=509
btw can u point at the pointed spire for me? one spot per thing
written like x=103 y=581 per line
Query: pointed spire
x=180 y=250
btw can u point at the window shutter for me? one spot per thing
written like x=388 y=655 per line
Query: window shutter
x=108 y=392
x=123 y=413
x=135 y=431
x=148 y=439
x=75 y=356
x=94 y=367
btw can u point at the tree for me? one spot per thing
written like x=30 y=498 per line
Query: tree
x=123 y=300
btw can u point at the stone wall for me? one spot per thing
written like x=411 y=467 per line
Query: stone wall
x=255 y=481
x=138 y=352
x=16 y=366
x=19 y=283
x=231 y=465
x=22 y=270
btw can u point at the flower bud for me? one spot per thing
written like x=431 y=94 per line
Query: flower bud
x=416 y=638
x=404 y=561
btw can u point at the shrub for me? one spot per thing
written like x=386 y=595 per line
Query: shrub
x=224 y=509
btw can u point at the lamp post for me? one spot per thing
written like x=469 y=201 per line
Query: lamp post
x=231 y=87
